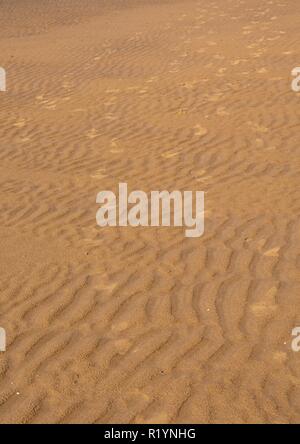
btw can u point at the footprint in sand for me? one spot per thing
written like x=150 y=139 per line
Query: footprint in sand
x=204 y=179
x=256 y=127
x=189 y=85
x=20 y=123
x=115 y=149
x=50 y=104
x=237 y=62
x=92 y=133
x=200 y=176
x=268 y=305
x=100 y=174
x=257 y=54
x=121 y=326
x=67 y=85
x=259 y=142
x=122 y=345
x=198 y=173
x=101 y=282
x=262 y=71
x=24 y=139
x=110 y=117
x=169 y=154
x=152 y=79
x=137 y=393
x=181 y=111
x=200 y=130
x=274 y=252
x=221 y=111
x=215 y=97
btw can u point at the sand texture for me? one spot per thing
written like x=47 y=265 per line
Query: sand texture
x=144 y=325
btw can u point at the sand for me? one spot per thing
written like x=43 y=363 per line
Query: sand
x=144 y=325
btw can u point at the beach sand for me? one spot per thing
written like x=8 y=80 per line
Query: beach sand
x=144 y=325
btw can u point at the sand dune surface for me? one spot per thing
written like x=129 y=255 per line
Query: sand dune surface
x=144 y=325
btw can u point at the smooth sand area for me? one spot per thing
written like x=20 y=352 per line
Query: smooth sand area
x=144 y=325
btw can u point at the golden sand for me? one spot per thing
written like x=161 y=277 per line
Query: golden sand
x=143 y=325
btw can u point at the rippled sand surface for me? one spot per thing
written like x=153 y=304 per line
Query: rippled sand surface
x=144 y=325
